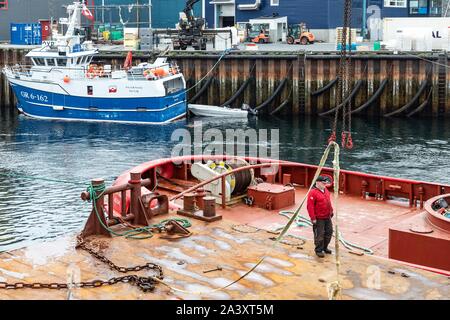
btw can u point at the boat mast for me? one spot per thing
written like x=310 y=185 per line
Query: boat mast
x=74 y=12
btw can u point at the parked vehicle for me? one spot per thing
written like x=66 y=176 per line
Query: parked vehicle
x=258 y=33
x=300 y=34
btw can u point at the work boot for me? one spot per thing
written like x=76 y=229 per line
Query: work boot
x=328 y=251
x=320 y=254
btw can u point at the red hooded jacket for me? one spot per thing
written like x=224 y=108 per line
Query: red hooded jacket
x=319 y=204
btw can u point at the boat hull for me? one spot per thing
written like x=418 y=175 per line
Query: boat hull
x=214 y=111
x=146 y=110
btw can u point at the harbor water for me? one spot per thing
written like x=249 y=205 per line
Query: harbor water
x=44 y=165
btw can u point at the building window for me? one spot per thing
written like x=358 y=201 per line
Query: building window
x=274 y=2
x=3 y=4
x=418 y=7
x=436 y=8
x=395 y=3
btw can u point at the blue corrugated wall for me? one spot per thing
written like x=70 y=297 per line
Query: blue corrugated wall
x=318 y=14
x=313 y=12
x=165 y=13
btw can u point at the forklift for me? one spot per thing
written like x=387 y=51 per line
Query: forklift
x=190 y=29
x=299 y=34
x=258 y=33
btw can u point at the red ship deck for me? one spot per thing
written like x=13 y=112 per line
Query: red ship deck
x=364 y=222
x=290 y=271
x=236 y=243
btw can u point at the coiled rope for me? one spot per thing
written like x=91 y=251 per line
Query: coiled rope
x=306 y=222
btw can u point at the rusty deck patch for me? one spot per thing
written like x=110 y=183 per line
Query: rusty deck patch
x=290 y=271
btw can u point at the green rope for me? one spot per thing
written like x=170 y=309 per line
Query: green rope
x=184 y=222
x=22 y=176
x=302 y=221
x=133 y=233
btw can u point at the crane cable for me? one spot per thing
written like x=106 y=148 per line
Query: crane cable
x=343 y=88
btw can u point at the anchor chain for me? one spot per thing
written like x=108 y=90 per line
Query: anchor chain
x=81 y=244
x=146 y=284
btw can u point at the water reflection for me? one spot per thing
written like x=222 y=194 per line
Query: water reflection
x=34 y=210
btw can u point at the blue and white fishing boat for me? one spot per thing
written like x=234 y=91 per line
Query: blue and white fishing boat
x=63 y=83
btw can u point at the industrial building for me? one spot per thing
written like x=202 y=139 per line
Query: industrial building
x=129 y=13
x=321 y=16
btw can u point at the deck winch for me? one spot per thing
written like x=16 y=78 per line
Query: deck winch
x=235 y=183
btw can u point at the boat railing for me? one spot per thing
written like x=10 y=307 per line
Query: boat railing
x=366 y=186
x=97 y=71
x=156 y=72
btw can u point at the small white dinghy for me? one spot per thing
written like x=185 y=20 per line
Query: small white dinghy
x=215 y=111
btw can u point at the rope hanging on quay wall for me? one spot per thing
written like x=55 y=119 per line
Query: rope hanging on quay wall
x=377 y=93
x=352 y=94
x=241 y=89
x=374 y=97
x=423 y=105
x=277 y=91
x=411 y=102
x=283 y=104
x=325 y=88
x=416 y=97
x=225 y=52
x=202 y=89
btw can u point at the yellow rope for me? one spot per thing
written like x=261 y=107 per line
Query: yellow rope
x=334 y=290
x=335 y=286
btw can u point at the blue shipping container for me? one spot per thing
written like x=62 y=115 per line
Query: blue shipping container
x=26 y=33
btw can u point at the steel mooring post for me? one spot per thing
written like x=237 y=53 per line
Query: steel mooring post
x=93 y=225
x=136 y=206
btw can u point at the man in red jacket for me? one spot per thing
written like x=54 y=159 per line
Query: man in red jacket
x=320 y=211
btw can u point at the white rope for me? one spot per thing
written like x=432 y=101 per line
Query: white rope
x=211 y=70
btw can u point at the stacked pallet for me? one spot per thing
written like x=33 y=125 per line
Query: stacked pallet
x=339 y=36
x=131 y=38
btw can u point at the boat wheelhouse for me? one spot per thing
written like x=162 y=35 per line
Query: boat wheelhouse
x=62 y=82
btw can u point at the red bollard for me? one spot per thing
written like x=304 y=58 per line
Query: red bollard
x=93 y=225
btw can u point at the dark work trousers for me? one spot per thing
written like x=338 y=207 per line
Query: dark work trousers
x=323 y=231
